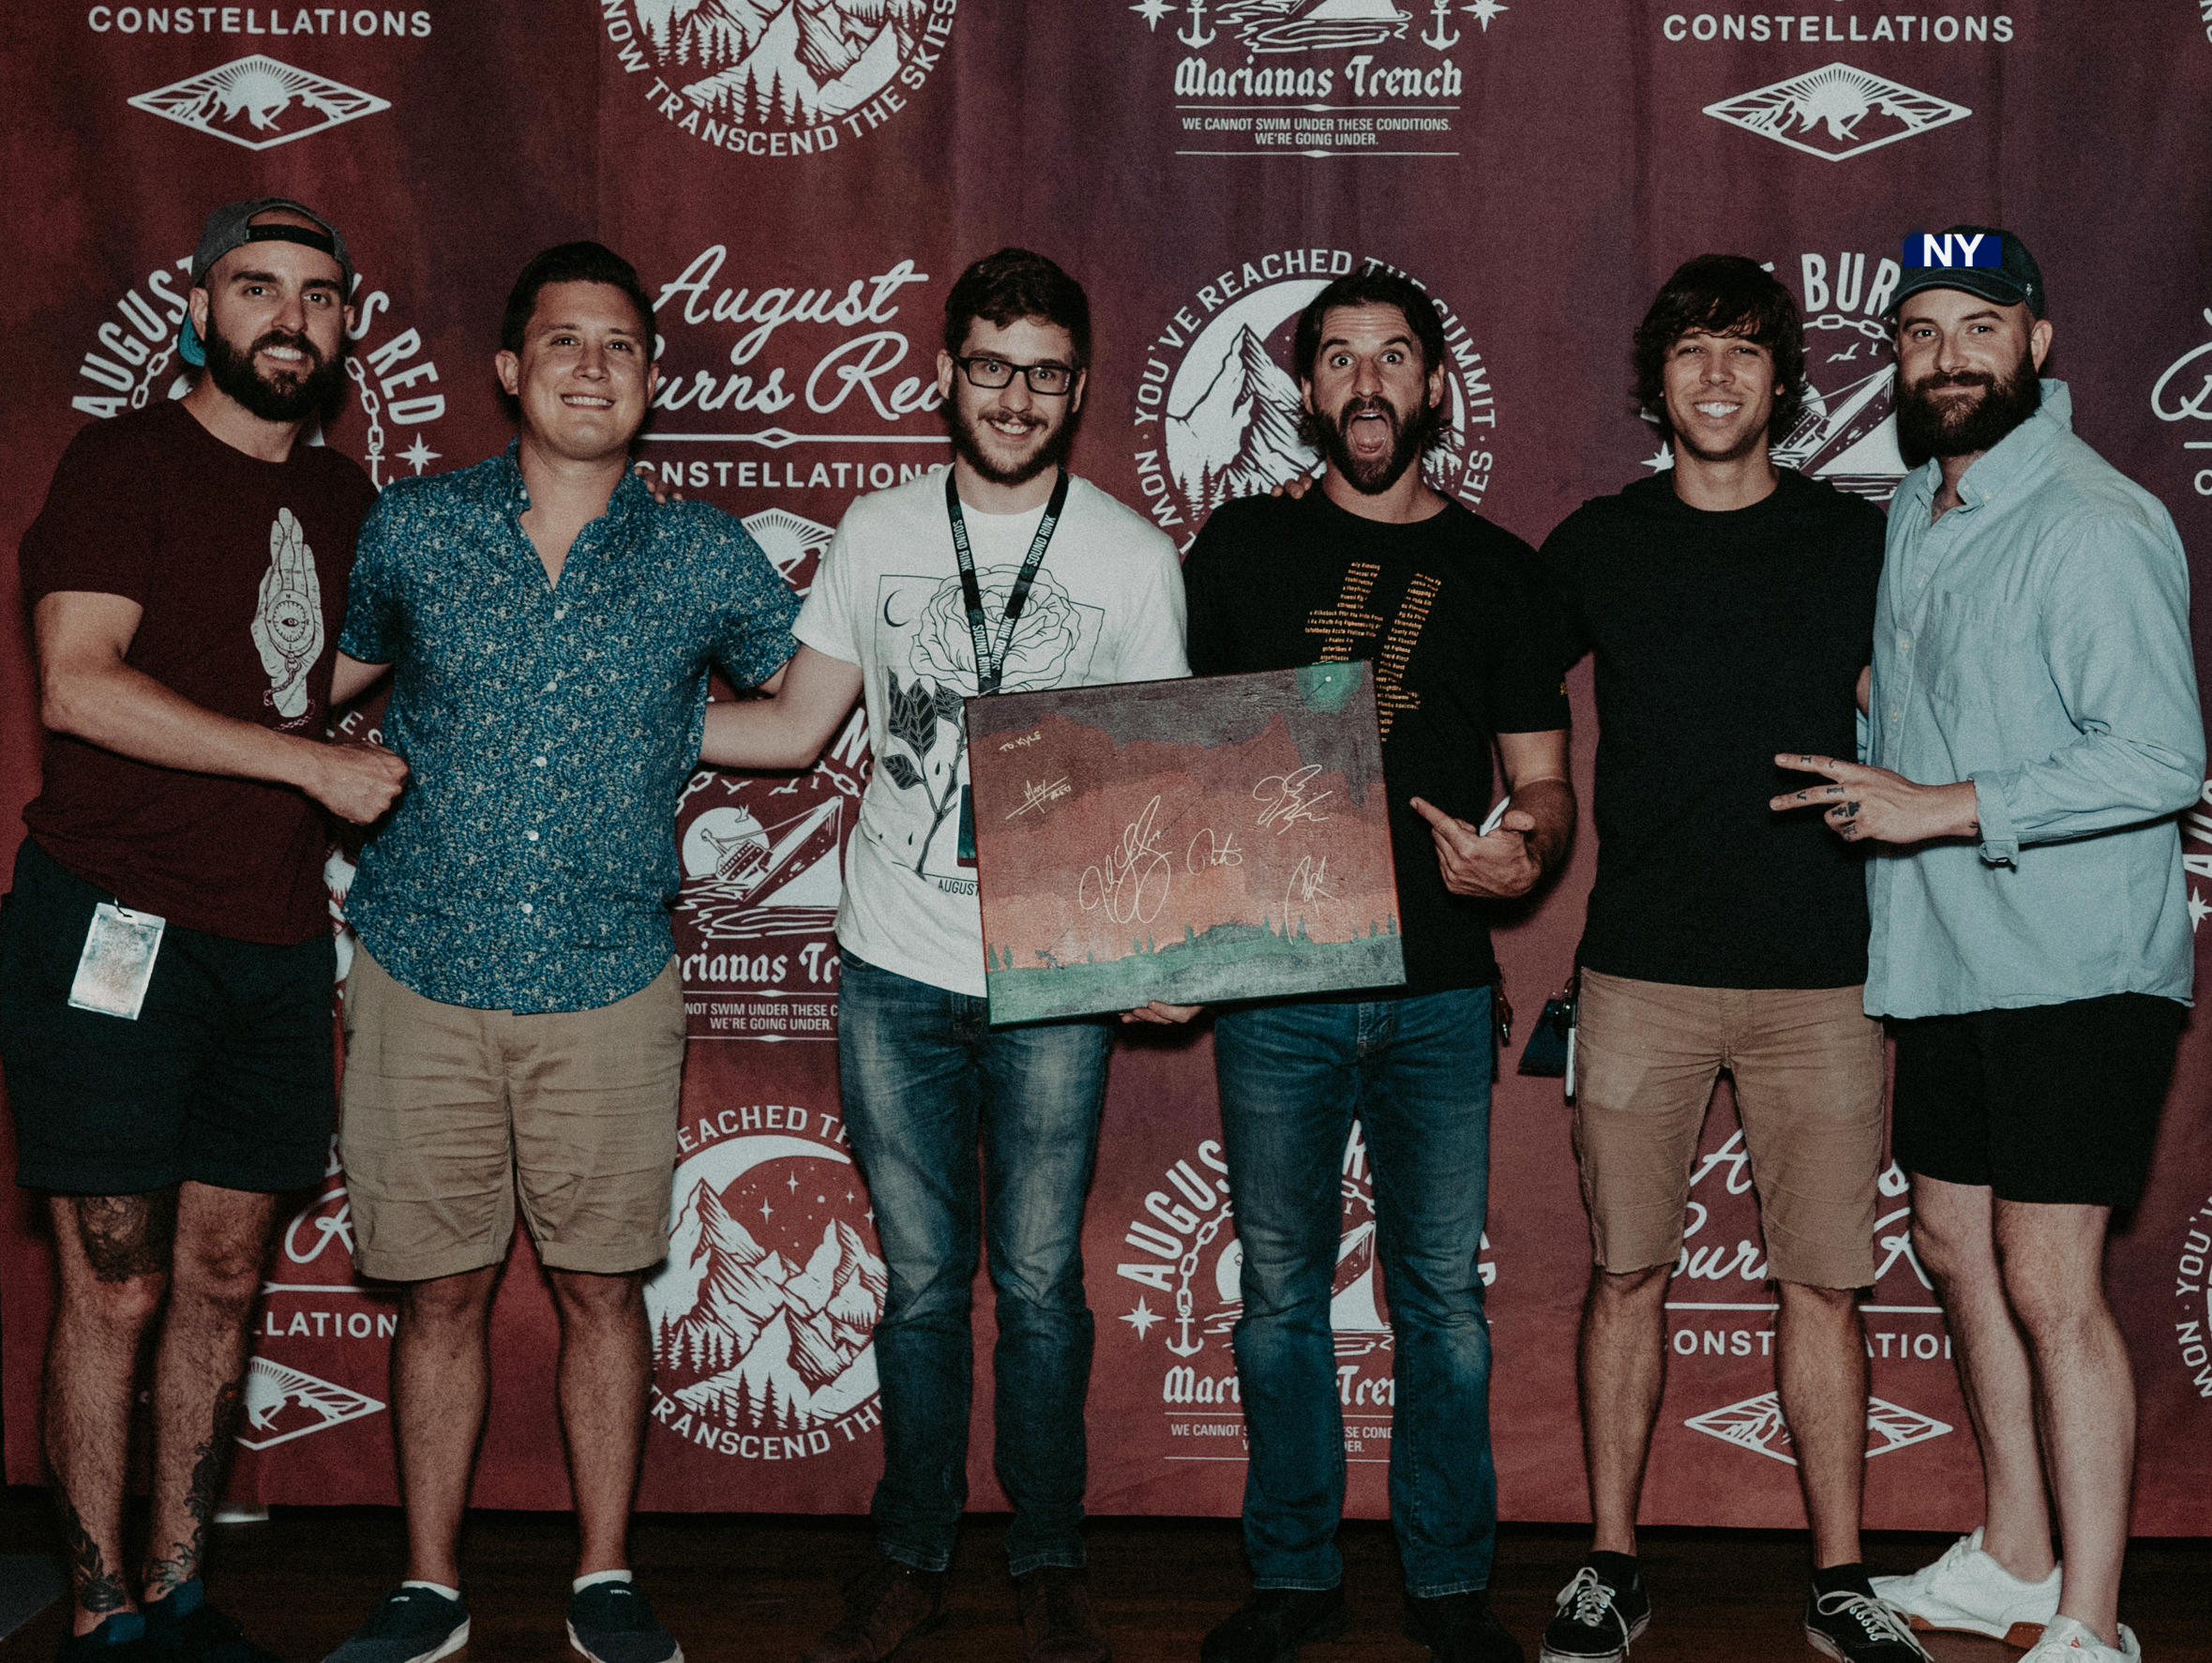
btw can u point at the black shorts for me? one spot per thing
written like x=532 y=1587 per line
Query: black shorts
x=225 y=1078
x=2054 y=1103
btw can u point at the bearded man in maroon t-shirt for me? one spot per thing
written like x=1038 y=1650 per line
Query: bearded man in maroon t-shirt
x=166 y=960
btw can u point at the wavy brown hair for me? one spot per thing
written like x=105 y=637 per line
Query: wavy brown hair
x=1724 y=295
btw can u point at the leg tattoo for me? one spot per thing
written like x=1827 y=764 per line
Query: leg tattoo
x=99 y=1589
x=128 y=1235
x=212 y=1459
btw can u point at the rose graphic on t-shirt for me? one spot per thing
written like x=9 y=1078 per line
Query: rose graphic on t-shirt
x=288 y=621
x=911 y=719
x=1044 y=636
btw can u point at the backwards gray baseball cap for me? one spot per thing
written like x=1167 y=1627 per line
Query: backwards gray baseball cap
x=2016 y=279
x=231 y=226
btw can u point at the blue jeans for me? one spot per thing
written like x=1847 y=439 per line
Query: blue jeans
x=1415 y=1072
x=924 y=1078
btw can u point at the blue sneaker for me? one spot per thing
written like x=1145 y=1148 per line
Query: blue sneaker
x=119 y=1639
x=611 y=1623
x=185 y=1627
x=408 y=1625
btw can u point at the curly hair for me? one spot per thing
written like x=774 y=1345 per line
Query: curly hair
x=1013 y=284
x=1374 y=286
x=1724 y=295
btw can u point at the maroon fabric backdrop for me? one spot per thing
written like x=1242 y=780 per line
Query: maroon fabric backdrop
x=799 y=180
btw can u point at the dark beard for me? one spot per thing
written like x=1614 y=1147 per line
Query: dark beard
x=1050 y=454
x=1407 y=442
x=287 y=399
x=1924 y=430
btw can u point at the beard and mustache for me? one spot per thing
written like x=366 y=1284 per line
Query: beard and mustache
x=282 y=395
x=967 y=441
x=1409 y=441
x=1927 y=426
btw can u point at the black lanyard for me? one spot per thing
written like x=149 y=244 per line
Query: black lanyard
x=990 y=662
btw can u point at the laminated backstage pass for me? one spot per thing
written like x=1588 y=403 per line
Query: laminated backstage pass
x=118 y=965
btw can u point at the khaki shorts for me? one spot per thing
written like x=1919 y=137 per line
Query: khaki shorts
x=447 y=1111
x=1807 y=1065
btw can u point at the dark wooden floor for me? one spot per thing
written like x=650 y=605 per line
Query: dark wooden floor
x=736 y=1589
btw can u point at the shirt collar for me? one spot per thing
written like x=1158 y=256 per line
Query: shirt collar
x=630 y=497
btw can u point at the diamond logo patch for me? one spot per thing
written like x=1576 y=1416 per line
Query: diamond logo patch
x=1837 y=111
x=258 y=102
x=283 y=1403
x=1756 y=1424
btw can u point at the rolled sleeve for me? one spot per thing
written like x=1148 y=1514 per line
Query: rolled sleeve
x=2114 y=636
x=2000 y=839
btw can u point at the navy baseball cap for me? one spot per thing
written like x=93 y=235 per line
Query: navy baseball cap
x=2015 y=280
x=231 y=226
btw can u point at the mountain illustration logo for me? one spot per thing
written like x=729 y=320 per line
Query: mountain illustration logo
x=786 y=63
x=283 y=1403
x=1756 y=1424
x=258 y=102
x=1837 y=111
x=1230 y=416
x=762 y=1318
x=1302 y=25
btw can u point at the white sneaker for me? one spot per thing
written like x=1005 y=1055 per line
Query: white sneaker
x=1968 y=1589
x=2066 y=1640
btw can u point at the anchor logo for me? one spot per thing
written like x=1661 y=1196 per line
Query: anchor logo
x=1198 y=34
x=1437 y=38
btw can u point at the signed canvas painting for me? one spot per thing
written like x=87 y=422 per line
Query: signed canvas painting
x=1222 y=838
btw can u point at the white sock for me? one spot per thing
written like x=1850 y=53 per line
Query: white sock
x=440 y=1589
x=582 y=1582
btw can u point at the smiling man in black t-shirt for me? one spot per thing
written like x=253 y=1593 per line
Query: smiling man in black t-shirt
x=1729 y=605
x=1456 y=616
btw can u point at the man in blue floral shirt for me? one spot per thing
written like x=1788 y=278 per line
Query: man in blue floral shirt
x=515 y=1023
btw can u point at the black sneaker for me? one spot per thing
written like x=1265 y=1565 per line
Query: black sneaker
x=408 y=1625
x=120 y=1639
x=1460 y=1628
x=184 y=1627
x=1596 y=1620
x=612 y=1623
x=1858 y=1628
x=1271 y=1625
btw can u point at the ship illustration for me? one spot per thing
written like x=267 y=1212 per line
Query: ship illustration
x=1849 y=437
x=745 y=880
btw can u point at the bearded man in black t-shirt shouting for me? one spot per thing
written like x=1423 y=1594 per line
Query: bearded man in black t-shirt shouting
x=1456 y=616
x=1729 y=604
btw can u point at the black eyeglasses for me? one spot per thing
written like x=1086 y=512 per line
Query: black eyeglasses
x=1055 y=381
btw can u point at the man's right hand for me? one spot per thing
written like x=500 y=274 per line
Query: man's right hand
x=1296 y=486
x=355 y=782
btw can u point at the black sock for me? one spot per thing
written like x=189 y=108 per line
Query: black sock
x=1843 y=1578
x=1617 y=1568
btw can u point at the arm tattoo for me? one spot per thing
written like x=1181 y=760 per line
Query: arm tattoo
x=126 y=1236
x=212 y=1459
x=98 y=1589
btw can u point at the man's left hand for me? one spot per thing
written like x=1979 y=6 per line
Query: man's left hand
x=1495 y=867
x=1873 y=804
x=1158 y=1012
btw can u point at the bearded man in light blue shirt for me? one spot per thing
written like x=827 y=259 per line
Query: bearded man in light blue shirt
x=2032 y=731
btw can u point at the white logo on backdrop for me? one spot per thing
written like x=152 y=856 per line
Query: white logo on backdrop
x=781 y=77
x=258 y=102
x=2183 y=392
x=283 y=1403
x=2192 y=1288
x=1226 y=411
x=1756 y=1424
x=753 y=1341
x=1837 y=111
